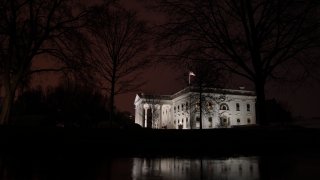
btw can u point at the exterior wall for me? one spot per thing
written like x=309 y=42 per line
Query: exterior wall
x=182 y=112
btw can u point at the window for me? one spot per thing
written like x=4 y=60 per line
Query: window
x=186 y=119
x=174 y=109
x=238 y=120
x=187 y=106
x=181 y=107
x=174 y=121
x=209 y=105
x=198 y=122
x=197 y=105
x=224 y=107
x=249 y=120
x=238 y=107
x=210 y=121
x=248 y=107
x=182 y=120
x=178 y=108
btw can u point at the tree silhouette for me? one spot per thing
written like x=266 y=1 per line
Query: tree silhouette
x=67 y=105
x=118 y=46
x=256 y=39
x=29 y=28
x=208 y=75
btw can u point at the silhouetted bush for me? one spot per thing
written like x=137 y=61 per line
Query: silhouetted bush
x=72 y=106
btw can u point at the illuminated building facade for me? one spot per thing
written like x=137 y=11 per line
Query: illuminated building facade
x=220 y=108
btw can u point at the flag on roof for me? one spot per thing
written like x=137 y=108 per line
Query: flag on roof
x=191 y=73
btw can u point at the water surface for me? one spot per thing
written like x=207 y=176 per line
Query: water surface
x=100 y=167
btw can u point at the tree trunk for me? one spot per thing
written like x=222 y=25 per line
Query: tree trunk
x=6 y=108
x=111 y=103
x=200 y=104
x=260 y=103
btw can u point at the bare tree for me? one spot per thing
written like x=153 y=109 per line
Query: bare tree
x=118 y=49
x=256 y=39
x=29 y=28
x=208 y=74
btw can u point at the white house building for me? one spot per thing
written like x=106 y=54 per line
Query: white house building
x=220 y=108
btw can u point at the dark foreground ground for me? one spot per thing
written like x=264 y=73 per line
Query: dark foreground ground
x=144 y=142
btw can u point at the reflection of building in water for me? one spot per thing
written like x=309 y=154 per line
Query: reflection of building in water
x=176 y=168
x=220 y=108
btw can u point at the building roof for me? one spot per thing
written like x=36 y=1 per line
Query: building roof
x=197 y=89
x=214 y=90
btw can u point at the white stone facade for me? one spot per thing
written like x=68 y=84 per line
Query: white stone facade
x=220 y=108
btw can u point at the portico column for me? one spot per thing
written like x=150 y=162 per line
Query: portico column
x=160 y=116
x=145 y=116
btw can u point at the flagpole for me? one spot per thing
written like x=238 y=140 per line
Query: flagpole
x=190 y=107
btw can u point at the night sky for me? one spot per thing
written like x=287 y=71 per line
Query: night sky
x=301 y=100
x=162 y=79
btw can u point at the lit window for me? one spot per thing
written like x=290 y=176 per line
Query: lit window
x=248 y=107
x=238 y=107
x=224 y=107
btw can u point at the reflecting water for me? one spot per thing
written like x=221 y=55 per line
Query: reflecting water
x=181 y=168
x=95 y=166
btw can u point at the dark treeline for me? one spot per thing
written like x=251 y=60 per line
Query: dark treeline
x=65 y=106
x=101 y=44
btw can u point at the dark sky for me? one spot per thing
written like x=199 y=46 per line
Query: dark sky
x=164 y=80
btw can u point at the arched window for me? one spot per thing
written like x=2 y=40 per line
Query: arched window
x=249 y=120
x=238 y=107
x=224 y=107
x=210 y=122
x=248 y=107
